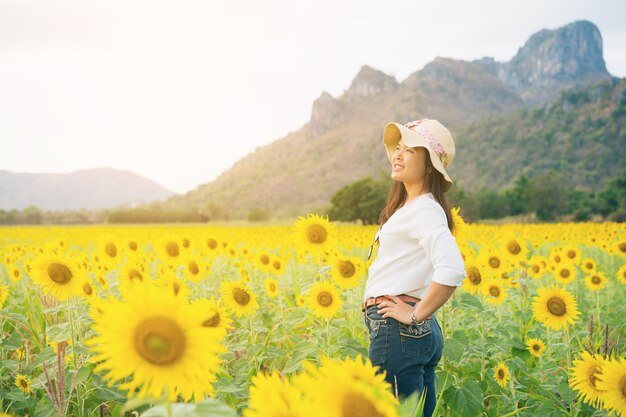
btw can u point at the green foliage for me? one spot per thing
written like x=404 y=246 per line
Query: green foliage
x=363 y=199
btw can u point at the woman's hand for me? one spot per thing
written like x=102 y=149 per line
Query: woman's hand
x=396 y=309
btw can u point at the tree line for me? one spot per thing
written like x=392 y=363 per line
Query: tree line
x=548 y=196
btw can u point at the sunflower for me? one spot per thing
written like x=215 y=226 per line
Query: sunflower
x=109 y=250
x=516 y=249
x=169 y=250
x=584 y=377
x=323 y=299
x=491 y=260
x=613 y=382
x=58 y=276
x=494 y=291
x=4 y=293
x=346 y=271
x=300 y=300
x=277 y=266
x=23 y=383
x=211 y=314
x=315 y=234
x=154 y=342
x=213 y=245
x=460 y=227
x=572 y=254
x=556 y=256
x=619 y=248
x=271 y=287
x=536 y=347
x=131 y=273
x=535 y=267
x=595 y=281
x=564 y=273
x=238 y=297
x=588 y=265
x=475 y=281
x=554 y=307
x=347 y=388
x=193 y=268
x=271 y=395
x=621 y=274
x=263 y=260
x=501 y=374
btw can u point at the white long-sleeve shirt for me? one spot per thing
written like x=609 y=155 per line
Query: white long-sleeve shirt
x=416 y=248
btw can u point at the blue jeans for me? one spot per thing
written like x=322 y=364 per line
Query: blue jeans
x=408 y=354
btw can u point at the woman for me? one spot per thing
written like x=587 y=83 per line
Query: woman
x=418 y=265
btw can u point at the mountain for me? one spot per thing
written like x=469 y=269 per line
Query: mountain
x=486 y=104
x=91 y=189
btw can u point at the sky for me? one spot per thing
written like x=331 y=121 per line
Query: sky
x=178 y=91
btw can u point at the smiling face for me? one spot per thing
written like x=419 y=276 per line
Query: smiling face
x=408 y=165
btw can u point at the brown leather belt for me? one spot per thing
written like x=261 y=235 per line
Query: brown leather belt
x=376 y=300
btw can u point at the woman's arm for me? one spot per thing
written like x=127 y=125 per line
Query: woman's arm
x=435 y=297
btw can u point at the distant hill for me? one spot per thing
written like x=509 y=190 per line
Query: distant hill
x=90 y=189
x=506 y=117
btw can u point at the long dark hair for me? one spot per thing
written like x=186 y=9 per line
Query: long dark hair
x=434 y=182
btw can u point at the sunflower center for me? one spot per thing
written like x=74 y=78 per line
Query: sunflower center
x=211 y=243
x=565 y=273
x=272 y=287
x=265 y=259
x=571 y=254
x=325 y=299
x=172 y=249
x=193 y=267
x=276 y=265
x=536 y=347
x=356 y=405
x=622 y=386
x=317 y=234
x=622 y=248
x=241 y=297
x=589 y=265
x=596 y=279
x=501 y=373
x=87 y=289
x=132 y=245
x=346 y=269
x=494 y=262
x=110 y=249
x=59 y=273
x=213 y=321
x=595 y=370
x=556 y=306
x=474 y=276
x=186 y=243
x=159 y=340
x=494 y=291
x=23 y=383
x=535 y=269
x=135 y=275
x=514 y=247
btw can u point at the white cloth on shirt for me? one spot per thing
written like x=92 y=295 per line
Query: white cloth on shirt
x=416 y=248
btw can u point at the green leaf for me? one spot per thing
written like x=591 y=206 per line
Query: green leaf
x=466 y=400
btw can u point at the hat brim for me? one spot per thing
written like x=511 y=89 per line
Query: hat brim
x=395 y=131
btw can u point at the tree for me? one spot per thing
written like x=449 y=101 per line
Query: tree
x=363 y=199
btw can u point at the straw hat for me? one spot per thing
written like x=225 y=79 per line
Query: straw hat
x=427 y=133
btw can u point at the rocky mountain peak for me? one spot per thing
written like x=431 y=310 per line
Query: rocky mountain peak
x=552 y=59
x=370 y=81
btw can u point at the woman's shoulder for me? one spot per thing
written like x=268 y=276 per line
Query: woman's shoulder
x=429 y=210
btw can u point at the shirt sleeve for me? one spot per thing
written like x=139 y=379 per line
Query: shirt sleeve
x=430 y=228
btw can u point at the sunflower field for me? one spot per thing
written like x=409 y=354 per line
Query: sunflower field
x=266 y=321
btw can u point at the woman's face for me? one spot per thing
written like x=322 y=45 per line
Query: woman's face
x=408 y=165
